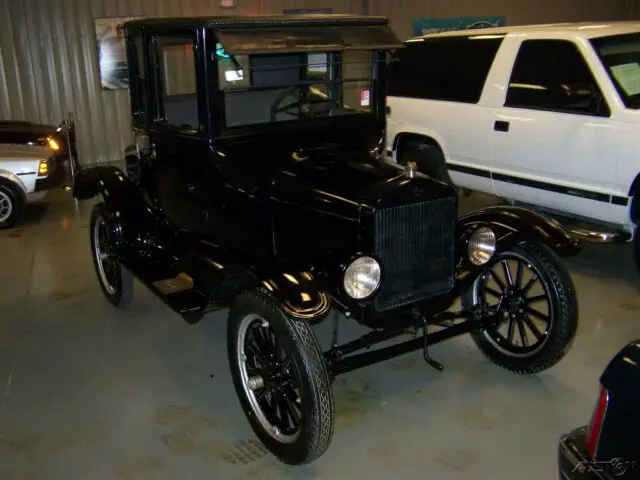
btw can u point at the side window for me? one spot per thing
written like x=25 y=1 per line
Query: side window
x=141 y=107
x=450 y=69
x=177 y=82
x=553 y=75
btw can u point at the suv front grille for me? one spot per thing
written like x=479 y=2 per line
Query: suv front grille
x=415 y=244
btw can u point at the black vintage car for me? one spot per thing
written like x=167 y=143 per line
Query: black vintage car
x=256 y=183
x=608 y=448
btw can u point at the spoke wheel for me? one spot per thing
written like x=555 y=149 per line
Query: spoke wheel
x=281 y=379
x=269 y=379
x=6 y=207
x=514 y=290
x=533 y=301
x=115 y=282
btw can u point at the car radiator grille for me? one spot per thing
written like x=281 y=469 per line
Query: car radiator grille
x=415 y=244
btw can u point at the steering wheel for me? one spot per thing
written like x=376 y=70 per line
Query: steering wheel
x=299 y=106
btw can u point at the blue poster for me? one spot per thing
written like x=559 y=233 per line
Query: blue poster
x=423 y=26
x=307 y=11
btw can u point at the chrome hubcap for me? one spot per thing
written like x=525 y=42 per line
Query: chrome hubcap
x=6 y=207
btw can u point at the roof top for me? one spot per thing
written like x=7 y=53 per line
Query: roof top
x=257 y=20
x=583 y=30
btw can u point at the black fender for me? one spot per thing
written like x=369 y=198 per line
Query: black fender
x=297 y=292
x=121 y=196
x=514 y=225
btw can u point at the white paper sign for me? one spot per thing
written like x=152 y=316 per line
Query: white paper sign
x=365 y=98
x=628 y=76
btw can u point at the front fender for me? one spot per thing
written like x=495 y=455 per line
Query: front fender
x=517 y=224
x=121 y=197
x=298 y=293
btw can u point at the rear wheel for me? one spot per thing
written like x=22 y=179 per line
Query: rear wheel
x=533 y=296
x=281 y=379
x=11 y=205
x=116 y=282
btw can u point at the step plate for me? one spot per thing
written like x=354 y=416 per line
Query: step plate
x=179 y=283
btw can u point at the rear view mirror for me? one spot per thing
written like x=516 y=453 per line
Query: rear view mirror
x=577 y=95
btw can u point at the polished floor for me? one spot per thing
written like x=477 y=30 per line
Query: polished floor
x=89 y=392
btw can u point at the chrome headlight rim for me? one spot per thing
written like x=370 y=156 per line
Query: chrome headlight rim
x=351 y=265
x=481 y=245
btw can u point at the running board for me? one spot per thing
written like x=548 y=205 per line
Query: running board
x=594 y=236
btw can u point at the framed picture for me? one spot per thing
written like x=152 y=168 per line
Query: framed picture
x=112 y=54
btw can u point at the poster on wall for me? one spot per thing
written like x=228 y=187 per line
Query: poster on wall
x=112 y=57
x=424 y=26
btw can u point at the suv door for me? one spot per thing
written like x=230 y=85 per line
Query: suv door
x=553 y=144
x=179 y=131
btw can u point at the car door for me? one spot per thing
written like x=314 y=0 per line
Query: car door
x=553 y=144
x=178 y=133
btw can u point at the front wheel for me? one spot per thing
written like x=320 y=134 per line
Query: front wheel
x=532 y=294
x=281 y=379
x=116 y=283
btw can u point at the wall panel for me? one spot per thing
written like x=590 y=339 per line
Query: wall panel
x=48 y=57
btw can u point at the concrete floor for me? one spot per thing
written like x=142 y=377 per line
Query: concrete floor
x=89 y=392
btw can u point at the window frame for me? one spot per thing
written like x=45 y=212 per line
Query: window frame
x=603 y=109
x=156 y=72
x=417 y=49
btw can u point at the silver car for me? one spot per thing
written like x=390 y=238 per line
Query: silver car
x=27 y=173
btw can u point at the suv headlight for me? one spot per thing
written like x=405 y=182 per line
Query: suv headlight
x=481 y=246
x=362 y=278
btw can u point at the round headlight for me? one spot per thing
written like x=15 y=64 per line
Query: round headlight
x=362 y=278
x=481 y=246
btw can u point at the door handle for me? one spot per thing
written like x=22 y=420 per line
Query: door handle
x=501 y=126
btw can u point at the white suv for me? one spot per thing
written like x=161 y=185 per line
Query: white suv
x=546 y=115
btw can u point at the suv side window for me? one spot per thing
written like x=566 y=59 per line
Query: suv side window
x=546 y=71
x=177 y=93
x=451 y=69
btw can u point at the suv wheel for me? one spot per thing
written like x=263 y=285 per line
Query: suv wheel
x=116 y=282
x=534 y=300
x=281 y=379
x=11 y=205
x=429 y=159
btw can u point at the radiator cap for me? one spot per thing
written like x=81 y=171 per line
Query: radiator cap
x=410 y=169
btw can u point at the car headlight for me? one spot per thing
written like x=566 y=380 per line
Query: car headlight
x=362 y=278
x=481 y=246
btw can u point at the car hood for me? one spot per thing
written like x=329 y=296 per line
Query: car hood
x=15 y=152
x=348 y=183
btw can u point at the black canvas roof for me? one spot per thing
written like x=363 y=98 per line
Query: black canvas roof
x=256 y=21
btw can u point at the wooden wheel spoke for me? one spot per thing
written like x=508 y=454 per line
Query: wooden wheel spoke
x=538 y=315
x=519 y=275
x=507 y=272
x=532 y=326
x=537 y=298
x=524 y=339
x=511 y=330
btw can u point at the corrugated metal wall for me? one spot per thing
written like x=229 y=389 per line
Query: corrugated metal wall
x=48 y=57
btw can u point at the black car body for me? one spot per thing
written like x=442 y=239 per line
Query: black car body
x=608 y=447
x=256 y=183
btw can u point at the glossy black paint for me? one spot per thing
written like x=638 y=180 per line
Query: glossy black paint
x=616 y=455
x=280 y=207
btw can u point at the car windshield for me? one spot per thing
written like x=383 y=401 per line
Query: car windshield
x=294 y=87
x=620 y=55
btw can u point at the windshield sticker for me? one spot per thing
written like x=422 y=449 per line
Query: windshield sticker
x=365 y=97
x=628 y=76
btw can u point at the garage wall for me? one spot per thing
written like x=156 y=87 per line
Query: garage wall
x=48 y=62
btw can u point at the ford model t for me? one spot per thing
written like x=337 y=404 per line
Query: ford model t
x=256 y=183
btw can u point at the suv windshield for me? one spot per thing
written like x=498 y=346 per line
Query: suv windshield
x=294 y=87
x=620 y=55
